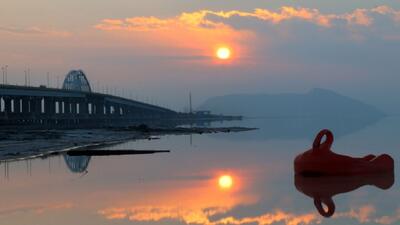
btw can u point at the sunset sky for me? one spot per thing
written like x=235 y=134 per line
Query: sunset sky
x=160 y=50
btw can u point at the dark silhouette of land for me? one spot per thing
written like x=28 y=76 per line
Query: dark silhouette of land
x=315 y=103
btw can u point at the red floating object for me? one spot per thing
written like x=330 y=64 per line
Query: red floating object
x=321 y=161
x=323 y=189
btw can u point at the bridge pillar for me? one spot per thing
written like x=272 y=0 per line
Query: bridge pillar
x=17 y=110
x=68 y=112
x=132 y=112
x=2 y=107
x=107 y=109
x=37 y=106
x=74 y=108
x=69 y=107
x=77 y=106
x=85 y=107
x=7 y=102
x=49 y=110
x=17 y=105
x=97 y=108
x=49 y=106
x=62 y=106
x=25 y=105
x=33 y=109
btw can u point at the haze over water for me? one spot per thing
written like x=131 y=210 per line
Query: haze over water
x=158 y=51
x=182 y=187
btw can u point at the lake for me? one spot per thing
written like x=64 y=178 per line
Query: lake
x=230 y=178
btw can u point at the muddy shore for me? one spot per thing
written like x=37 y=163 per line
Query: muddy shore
x=34 y=143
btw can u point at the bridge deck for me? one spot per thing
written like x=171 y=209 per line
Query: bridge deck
x=41 y=106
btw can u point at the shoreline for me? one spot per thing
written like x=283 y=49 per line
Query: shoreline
x=22 y=145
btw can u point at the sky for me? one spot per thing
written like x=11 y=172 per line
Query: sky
x=158 y=51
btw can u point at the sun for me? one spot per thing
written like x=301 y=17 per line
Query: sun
x=223 y=53
x=225 y=182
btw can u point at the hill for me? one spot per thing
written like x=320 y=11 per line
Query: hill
x=315 y=103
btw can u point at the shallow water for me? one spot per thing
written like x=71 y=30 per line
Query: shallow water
x=182 y=187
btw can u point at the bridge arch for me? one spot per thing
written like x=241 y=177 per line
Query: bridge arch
x=76 y=80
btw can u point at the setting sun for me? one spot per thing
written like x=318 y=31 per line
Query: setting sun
x=225 y=182
x=223 y=53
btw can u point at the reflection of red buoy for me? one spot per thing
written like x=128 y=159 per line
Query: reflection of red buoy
x=320 y=160
x=323 y=189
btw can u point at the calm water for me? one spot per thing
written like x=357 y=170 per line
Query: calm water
x=182 y=187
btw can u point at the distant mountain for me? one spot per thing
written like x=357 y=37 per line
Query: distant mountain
x=316 y=103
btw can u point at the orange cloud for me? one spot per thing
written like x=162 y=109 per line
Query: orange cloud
x=386 y=10
x=194 y=203
x=188 y=215
x=357 y=17
x=289 y=13
x=271 y=218
x=200 y=18
x=193 y=20
x=203 y=216
x=191 y=31
x=205 y=30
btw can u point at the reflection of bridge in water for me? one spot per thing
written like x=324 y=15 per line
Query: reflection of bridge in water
x=75 y=105
x=77 y=161
x=77 y=164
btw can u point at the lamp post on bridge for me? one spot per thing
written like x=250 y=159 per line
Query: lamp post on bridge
x=48 y=79
x=26 y=78
x=29 y=77
x=4 y=76
x=4 y=71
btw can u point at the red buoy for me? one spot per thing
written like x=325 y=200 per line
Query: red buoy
x=320 y=160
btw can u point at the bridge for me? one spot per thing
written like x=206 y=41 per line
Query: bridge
x=73 y=106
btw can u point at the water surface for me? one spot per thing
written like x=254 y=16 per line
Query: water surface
x=182 y=187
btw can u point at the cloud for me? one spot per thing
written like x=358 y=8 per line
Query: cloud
x=34 y=31
x=366 y=214
x=386 y=220
x=200 y=19
x=357 y=17
x=203 y=216
x=363 y=214
x=386 y=10
x=193 y=32
x=204 y=30
x=38 y=209
x=272 y=218
x=360 y=17
x=212 y=215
